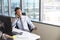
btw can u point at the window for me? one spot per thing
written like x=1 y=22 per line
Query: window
x=31 y=8
x=14 y=3
x=5 y=7
x=0 y=7
x=50 y=11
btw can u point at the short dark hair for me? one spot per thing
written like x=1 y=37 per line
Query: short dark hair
x=17 y=8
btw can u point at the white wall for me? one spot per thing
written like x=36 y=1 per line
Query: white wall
x=47 y=32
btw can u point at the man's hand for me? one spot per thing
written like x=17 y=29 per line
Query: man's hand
x=17 y=16
x=35 y=28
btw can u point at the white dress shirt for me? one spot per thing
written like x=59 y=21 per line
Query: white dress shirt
x=25 y=20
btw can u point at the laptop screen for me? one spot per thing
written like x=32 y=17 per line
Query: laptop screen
x=6 y=25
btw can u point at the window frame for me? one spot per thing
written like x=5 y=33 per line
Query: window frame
x=9 y=11
x=34 y=10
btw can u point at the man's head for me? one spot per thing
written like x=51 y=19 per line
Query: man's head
x=18 y=11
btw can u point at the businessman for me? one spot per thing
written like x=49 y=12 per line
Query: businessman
x=21 y=21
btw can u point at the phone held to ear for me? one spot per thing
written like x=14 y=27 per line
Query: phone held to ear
x=17 y=16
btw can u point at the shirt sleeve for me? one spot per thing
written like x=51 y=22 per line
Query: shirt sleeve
x=14 y=23
x=29 y=22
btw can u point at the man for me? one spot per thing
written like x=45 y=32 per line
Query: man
x=22 y=21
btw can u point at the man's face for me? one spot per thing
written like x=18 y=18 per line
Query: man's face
x=18 y=12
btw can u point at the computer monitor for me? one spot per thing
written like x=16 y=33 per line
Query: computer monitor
x=7 y=24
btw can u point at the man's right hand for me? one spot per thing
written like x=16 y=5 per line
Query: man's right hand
x=17 y=16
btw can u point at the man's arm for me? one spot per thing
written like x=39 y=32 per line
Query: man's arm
x=14 y=23
x=31 y=24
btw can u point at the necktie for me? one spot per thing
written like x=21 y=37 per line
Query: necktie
x=21 y=24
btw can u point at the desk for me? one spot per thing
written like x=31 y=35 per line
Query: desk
x=25 y=35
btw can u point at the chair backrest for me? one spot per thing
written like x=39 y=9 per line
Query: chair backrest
x=23 y=13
